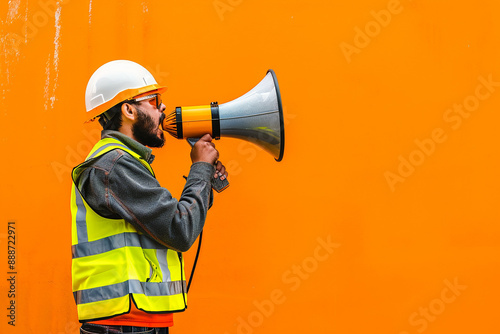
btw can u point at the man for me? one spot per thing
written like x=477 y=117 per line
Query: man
x=128 y=232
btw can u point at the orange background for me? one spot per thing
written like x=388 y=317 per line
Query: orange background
x=380 y=163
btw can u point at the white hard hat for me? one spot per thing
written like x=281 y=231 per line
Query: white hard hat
x=115 y=82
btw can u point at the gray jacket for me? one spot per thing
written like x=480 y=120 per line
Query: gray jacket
x=116 y=185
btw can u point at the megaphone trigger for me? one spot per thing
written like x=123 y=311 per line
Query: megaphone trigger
x=192 y=141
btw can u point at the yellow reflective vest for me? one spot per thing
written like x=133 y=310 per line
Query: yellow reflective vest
x=112 y=262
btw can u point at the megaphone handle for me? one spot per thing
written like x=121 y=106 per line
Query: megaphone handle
x=217 y=184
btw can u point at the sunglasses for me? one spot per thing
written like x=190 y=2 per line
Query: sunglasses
x=154 y=99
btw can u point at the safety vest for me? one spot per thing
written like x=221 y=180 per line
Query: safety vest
x=113 y=262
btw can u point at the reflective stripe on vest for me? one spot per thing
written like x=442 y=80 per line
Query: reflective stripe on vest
x=112 y=261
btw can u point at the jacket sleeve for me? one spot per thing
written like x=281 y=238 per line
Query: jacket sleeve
x=125 y=188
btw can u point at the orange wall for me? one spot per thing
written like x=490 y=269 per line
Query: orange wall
x=382 y=216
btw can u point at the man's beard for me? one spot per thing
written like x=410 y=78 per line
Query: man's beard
x=146 y=131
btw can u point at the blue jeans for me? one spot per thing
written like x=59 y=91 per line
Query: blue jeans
x=104 y=329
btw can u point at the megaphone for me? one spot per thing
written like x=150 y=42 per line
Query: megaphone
x=256 y=117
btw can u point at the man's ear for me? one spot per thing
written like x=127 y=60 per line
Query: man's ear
x=128 y=111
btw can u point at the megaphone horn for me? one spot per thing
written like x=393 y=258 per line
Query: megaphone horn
x=256 y=117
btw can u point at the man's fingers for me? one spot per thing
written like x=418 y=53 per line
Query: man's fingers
x=220 y=171
x=206 y=138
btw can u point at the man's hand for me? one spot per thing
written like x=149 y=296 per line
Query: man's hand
x=204 y=150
